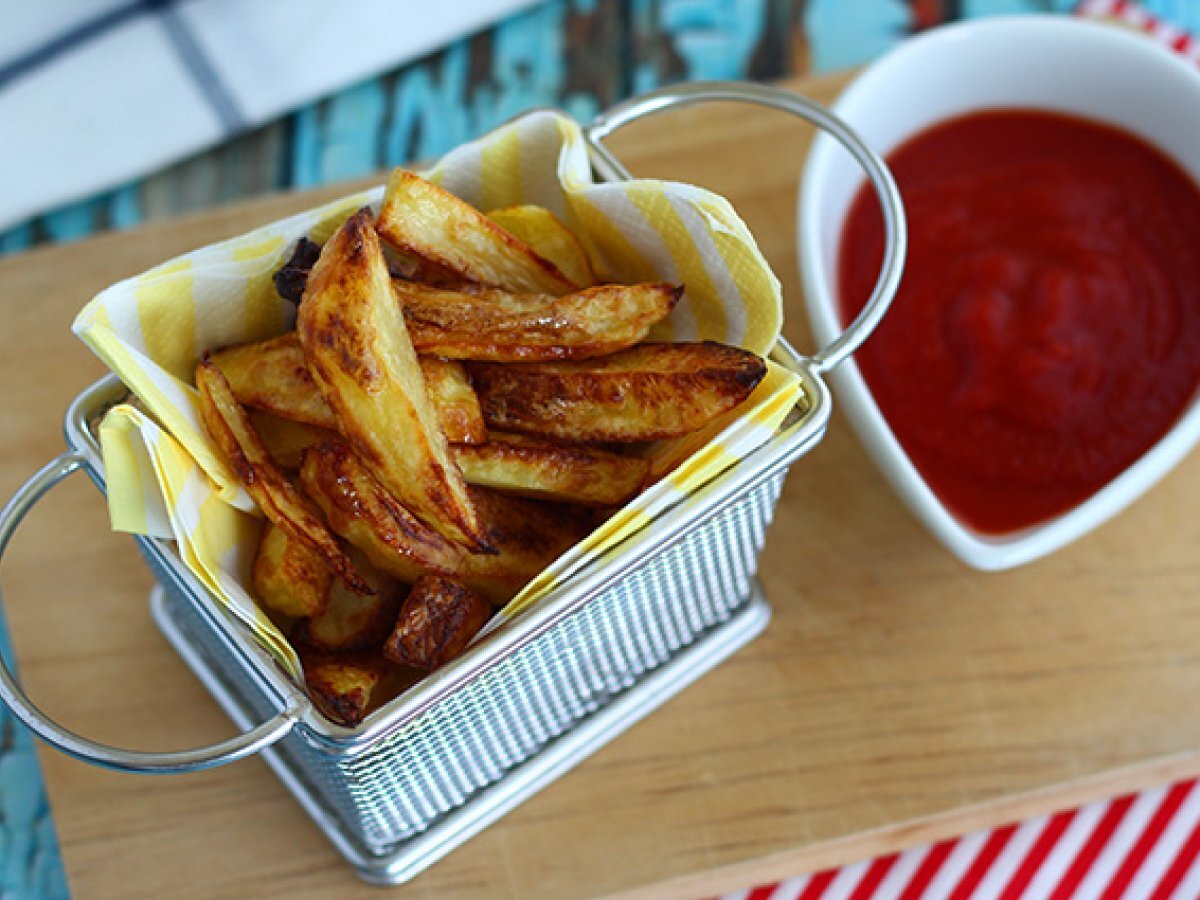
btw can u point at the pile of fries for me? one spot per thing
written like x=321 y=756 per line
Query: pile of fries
x=458 y=405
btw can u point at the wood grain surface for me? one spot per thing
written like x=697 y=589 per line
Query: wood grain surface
x=896 y=697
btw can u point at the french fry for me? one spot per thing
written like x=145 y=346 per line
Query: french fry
x=272 y=376
x=648 y=392
x=351 y=621
x=231 y=430
x=531 y=468
x=455 y=400
x=527 y=536
x=361 y=357
x=437 y=621
x=550 y=239
x=498 y=326
x=358 y=508
x=289 y=577
x=286 y=439
x=341 y=686
x=422 y=219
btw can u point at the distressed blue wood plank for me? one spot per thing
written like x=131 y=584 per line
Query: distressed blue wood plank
x=416 y=131
x=306 y=147
x=15 y=239
x=30 y=864
x=975 y=9
x=1184 y=13
x=125 y=207
x=838 y=41
x=714 y=39
x=529 y=64
x=581 y=107
x=72 y=222
x=435 y=106
x=349 y=137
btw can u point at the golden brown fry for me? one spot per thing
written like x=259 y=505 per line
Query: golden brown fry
x=493 y=325
x=351 y=621
x=437 y=621
x=549 y=237
x=455 y=400
x=532 y=468
x=288 y=577
x=528 y=536
x=422 y=219
x=272 y=376
x=286 y=439
x=359 y=509
x=231 y=430
x=648 y=392
x=341 y=686
x=360 y=355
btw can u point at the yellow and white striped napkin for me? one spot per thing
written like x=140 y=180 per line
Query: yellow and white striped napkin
x=164 y=476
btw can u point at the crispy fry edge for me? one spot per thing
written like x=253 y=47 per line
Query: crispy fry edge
x=231 y=429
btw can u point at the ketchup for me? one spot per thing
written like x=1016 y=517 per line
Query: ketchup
x=1047 y=328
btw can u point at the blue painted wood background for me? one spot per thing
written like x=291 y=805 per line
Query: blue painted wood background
x=580 y=55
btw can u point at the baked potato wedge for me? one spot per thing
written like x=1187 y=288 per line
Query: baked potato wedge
x=272 y=376
x=288 y=577
x=549 y=238
x=361 y=357
x=352 y=621
x=357 y=507
x=286 y=439
x=437 y=621
x=230 y=428
x=528 y=535
x=499 y=326
x=645 y=393
x=341 y=685
x=454 y=399
x=528 y=467
x=424 y=220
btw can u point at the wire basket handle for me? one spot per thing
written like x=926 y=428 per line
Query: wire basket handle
x=15 y=698
x=895 y=230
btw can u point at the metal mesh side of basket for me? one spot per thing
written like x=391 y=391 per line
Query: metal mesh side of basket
x=406 y=782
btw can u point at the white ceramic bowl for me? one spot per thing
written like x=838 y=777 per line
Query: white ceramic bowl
x=1043 y=62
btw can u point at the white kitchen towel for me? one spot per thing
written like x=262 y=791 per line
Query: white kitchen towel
x=94 y=93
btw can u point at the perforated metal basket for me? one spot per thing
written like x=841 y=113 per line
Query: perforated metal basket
x=456 y=751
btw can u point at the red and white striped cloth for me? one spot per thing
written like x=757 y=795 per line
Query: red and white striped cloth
x=1135 y=15
x=1142 y=846
x=1138 y=847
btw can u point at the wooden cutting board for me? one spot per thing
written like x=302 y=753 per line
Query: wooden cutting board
x=896 y=698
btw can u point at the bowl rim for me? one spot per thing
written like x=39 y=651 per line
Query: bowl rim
x=983 y=551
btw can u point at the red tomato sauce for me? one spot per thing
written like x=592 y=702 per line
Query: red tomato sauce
x=1047 y=328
